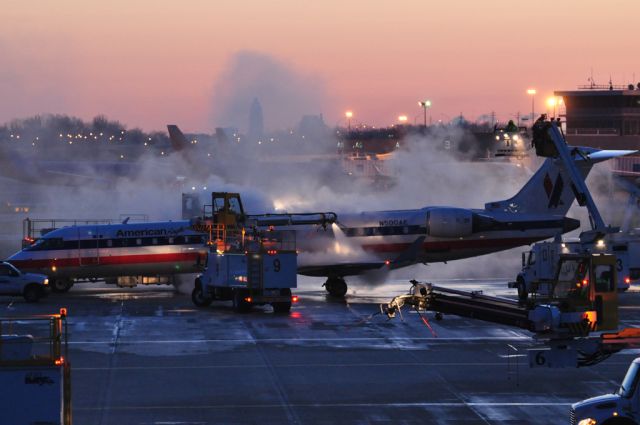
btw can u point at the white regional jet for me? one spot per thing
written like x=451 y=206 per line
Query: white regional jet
x=390 y=239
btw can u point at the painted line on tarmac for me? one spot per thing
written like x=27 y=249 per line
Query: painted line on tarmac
x=253 y=341
x=338 y=405
x=305 y=365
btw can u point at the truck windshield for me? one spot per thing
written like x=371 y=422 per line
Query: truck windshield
x=628 y=386
x=571 y=274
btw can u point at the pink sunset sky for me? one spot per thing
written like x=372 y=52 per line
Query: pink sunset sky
x=199 y=64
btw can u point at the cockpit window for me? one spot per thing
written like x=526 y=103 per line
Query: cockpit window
x=45 y=244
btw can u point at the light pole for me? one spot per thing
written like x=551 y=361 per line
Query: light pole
x=349 y=115
x=532 y=93
x=551 y=103
x=425 y=104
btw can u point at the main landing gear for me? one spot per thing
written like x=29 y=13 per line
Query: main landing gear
x=336 y=287
x=61 y=285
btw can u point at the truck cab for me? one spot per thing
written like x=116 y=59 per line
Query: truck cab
x=245 y=263
x=540 y=264
x=31 y=286
x=620 y=408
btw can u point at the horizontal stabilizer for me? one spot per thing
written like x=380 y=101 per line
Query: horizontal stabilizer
x=597 y=155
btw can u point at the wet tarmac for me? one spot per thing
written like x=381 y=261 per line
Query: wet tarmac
x=148 y=356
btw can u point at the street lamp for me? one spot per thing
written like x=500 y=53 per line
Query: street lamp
x=425 y=104
x=532 y=93
x=349 y=115
x=403 y=119
x=551 y=103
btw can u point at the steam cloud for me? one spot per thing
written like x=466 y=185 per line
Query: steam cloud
x=284 y=93
x=425 y=173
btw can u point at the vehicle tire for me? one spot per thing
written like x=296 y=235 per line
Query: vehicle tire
x=522 y=289
x=281 y=307
x=337 y=287
x=32 y=293
x=61 y=285
x=199 y=298
x=239 y=304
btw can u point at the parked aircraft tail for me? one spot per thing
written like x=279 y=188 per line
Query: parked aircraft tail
x=550 y=191
x=178 y=139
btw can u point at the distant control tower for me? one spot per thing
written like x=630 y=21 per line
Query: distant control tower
x=256 y=121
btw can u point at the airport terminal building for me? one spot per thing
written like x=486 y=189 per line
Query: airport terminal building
x=605 y=117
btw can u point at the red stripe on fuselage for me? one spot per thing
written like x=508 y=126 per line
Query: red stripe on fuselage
x=451 y=245
x=110 y=260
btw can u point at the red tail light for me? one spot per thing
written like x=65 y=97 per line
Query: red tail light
x=627 y=280
x=294 y=299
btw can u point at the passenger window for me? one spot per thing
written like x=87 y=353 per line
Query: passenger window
x=138 y=241
x=154 y=241
x=109 y=243
x=5 y=271
x=170 y=240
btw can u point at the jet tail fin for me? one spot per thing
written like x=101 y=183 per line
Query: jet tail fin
x=178 y=139
x=550 y=191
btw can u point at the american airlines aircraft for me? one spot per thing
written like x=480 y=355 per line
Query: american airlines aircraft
x=387 y=238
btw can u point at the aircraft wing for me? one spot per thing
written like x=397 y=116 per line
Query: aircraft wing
x=340 y=269
x=407 y=257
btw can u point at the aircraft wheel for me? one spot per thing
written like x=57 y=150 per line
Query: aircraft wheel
x=61 y=285
x=522 y=289
x=281 y=307
x=337 y=287
x=199 y=298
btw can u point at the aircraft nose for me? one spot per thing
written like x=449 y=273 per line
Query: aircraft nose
x=569 y=224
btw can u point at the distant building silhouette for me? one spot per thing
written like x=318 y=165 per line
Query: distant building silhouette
x=313 y=126
x=256 y=121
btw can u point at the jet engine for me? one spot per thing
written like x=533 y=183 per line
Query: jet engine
x=449 y=222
